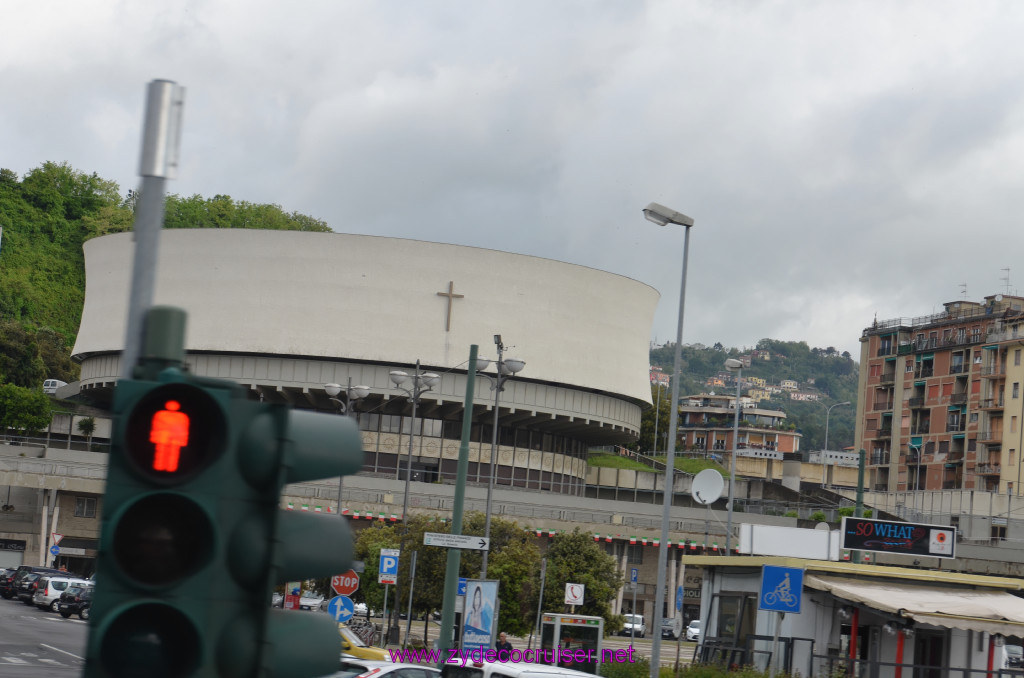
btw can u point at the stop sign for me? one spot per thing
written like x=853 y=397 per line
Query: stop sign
x=345 y=584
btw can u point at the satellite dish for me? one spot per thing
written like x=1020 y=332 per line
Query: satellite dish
x=707 y=486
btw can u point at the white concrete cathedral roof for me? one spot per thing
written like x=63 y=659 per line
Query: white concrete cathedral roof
x=379 y=299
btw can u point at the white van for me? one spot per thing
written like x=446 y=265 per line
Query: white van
x=50 y=386
x=510 y=670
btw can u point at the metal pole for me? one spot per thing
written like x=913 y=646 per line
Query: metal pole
x=540 y=601
x=670 y=461
x=408 y=615
x=732 y=462
x=451 y=571
x=859 y=510
x=384 y=618
x=494 y=459
x=346 y=409
x=632 y=628
x=157 y=163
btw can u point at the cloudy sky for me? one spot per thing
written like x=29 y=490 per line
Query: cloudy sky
x=841 y=160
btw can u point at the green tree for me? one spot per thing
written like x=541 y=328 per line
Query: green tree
x=20 y=363
x=23 y=409
x=87 y=427
x=574 y=557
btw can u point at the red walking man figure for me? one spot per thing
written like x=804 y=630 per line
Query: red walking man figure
x=169 y=431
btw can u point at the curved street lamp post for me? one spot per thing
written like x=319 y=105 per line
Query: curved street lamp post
x=663 y=216
x=352 y=394
x=506 y=368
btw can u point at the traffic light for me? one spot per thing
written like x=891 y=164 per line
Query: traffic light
x=193 y=538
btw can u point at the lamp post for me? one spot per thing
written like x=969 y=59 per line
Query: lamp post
x=736 y=366
x=421 y=383
x=663 y=216
x=828 y=413
x=505 y=369
x=352 y=393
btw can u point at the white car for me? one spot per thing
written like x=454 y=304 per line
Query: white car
x=47 y=595
x=634 y=626
x=693 y=630
x=365 y=668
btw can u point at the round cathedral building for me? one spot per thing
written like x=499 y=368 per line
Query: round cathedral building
x=285 y=313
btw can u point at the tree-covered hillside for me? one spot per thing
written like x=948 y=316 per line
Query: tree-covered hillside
x=834 y=377
x=46 y=216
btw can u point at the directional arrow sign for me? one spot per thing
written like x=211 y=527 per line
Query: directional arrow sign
x=456 y=541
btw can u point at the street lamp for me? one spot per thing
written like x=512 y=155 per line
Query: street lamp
x=421 y=383
x=352 y=393
x=736 y=366
x=505 y=368
x=663 y=216
x=828 y=412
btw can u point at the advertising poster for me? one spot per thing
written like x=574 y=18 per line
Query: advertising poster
x=481 y=614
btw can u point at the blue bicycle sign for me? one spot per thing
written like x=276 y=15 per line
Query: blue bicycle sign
x=781 y=588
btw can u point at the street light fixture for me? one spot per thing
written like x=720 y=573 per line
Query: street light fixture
x=664 y=216
x=736 y=366
x=352 y=394
x=421 y=383
x=506 y=368
x=828 y=412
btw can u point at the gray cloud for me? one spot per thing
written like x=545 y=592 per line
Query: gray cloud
x=840 y=159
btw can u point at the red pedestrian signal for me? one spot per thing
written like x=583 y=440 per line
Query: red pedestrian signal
x=169 y=432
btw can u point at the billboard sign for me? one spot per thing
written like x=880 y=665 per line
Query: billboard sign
x=891 y=536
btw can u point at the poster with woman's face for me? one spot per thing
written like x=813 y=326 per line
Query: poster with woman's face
x=479 y=614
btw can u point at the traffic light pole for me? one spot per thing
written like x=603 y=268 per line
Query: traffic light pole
x=451 y=571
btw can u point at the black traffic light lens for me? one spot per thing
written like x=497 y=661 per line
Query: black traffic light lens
x=163 y=538
x=174 y=432
x=151 y=640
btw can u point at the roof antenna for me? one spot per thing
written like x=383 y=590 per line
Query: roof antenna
x=963 y=290
x=1006 y=278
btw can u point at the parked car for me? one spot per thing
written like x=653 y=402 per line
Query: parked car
x=27 y=587
x=311 y=601
x=75 y=600
x=1014 y=656
x=49 y=588
x=693 y=630
x=634 y=626
x=5 y=582
x=23 y=571
x=668 y=628
x=353 y=645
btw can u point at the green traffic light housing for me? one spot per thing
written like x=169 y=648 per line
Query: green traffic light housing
x=193 y=537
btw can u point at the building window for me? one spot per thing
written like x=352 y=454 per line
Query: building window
x=85 y=507
x=1016 y=357
x=635 y=554
x=1016 y=389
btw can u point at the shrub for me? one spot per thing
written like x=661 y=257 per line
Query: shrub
x=819 y=516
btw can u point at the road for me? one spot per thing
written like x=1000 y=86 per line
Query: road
x=38 y=644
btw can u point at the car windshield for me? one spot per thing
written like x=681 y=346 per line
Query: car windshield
x=349 y=669
x=350 y=635
x=1015 y=650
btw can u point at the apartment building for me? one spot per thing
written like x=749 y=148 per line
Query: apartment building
x=706 y=423
x=939 y=404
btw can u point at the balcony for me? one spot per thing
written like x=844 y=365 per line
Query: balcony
x=887 y=377
x=992 y=371
x=882 y=406
x=991 y=404
x=879 y=457
x=990 y=436
x=886 y=349
x=988 y=469
x=956 y=426
x=884 y=432
x=916 y=402
x=958 y=399
x=921 y=429
x=923 y=372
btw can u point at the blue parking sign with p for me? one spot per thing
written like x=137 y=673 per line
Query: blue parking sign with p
x=388 y=564
x=633 y=575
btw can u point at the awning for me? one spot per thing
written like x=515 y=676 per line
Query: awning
x=990 y=610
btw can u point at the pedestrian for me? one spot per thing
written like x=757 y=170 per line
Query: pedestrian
x=503 y=643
